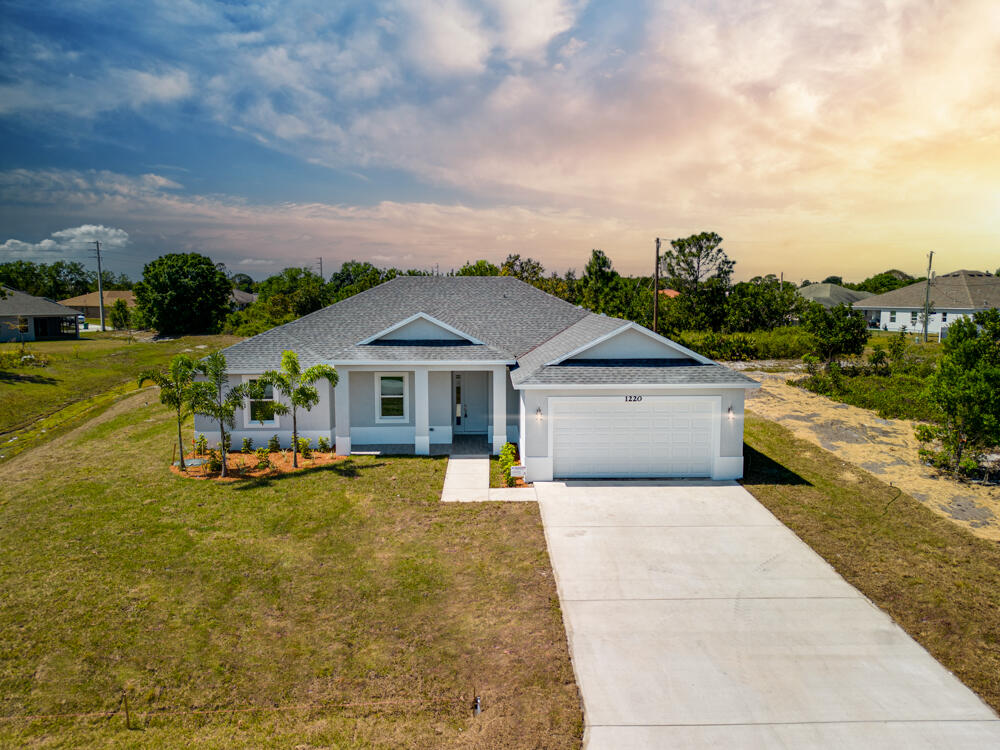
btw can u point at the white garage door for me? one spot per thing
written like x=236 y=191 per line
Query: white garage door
x=656 y=436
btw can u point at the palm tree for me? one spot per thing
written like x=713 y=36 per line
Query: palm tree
x=211 y=399
x=298 y=389
x=176 y=386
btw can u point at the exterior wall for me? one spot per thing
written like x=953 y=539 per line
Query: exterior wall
x=631 y=344
x=9 y=332
x=535 y=437
x=421 y=329
x=904 y=317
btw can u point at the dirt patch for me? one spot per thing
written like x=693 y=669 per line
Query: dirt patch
x=246 y=466
x=884 y=447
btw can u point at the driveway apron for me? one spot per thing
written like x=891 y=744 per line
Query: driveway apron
x=697 y=620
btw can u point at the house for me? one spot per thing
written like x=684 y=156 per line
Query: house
x=953 y=295
x=27 y=318
x=427 y=360
x=241 y=300
x=831 y=295
x=89 y=304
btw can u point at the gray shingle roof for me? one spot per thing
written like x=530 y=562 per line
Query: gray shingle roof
x=831 y=295
x=958 y=290
x=514 y=320
x=19 y=303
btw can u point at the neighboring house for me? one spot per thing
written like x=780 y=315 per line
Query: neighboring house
x=424 y=360
x=89 y=304
x=953 y=295
x=27 y=318
x=242 y=300
x=831 y=295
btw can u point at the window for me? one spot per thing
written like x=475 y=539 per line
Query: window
x=944 y=317
x=892 y=316
x=393 y=397
x=261 y=411
x=913 y=318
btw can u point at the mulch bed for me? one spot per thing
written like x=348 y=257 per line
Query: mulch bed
x=244 y=465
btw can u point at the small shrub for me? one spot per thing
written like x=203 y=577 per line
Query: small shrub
x=248 y=445
x=263 y=458
x=227 y=442
x=878 y=360
x=214 y=463
x=323 y=445
x=897 y=350
x=305 y=450
x=968 y=466
x=200 y=445
x=507 y=459
x=273 y=444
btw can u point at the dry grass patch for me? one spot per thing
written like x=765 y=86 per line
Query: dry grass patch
x=937 y=580
x=341 y=605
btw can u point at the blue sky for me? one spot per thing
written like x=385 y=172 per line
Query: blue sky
x=817 y=137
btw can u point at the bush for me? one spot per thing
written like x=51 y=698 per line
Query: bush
x=273 y=444
x=508 y=458
x=247 y=445
x=323 y=445
x=304 y=448
x=263 y=458
x=214 y=462
x=200 y=445
x=788 y=342
x=11 y=360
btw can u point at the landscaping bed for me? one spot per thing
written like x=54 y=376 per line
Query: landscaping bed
x=251 y=466
x=938 y=581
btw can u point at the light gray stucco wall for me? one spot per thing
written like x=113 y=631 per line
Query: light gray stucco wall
x=9 y=332
x=440 y=409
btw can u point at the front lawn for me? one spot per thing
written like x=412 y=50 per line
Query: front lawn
x=938 y=581
x=342 y=606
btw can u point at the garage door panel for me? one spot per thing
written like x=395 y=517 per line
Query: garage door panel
x=657 y=437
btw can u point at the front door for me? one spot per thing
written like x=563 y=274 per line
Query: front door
x=471 y=391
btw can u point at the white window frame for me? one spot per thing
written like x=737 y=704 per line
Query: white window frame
x=379 y=419
x=914 y=317
x=250 y=423
x=892 y=316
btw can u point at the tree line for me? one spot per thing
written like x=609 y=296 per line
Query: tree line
x=58 y=280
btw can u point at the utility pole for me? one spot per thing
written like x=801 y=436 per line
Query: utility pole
x=656 y=289
x=100 y=282
x=927 y=295
x=320 y=267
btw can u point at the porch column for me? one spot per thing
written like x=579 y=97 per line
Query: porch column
x=499 y=408
x=342 y=412
x=421 y=413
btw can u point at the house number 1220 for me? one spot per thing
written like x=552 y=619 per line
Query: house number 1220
x=633 y=398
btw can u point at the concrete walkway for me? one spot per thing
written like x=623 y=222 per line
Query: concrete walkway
x=697 y=620
x=467 y=480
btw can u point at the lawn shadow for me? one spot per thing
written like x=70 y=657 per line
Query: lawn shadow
x=6 y=376
x=759 y=468
x=348 y=468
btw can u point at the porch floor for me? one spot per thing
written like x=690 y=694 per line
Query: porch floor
x=461 y=445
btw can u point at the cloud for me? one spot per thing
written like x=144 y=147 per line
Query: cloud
x=72 y=242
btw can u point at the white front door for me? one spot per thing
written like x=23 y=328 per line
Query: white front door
x=634 y=436
x=472 y=397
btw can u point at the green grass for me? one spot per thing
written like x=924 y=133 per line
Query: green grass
x=348 y=584
x=896 y=396
x=84 y=368
x=938 y=581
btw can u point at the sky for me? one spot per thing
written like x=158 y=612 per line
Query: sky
x=817 y=137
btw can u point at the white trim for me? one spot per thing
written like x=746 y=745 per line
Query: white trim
x=635 y=327
x=420 y=316
x=433 y=364
x=379 y=419
x=557 y=401
x=635 y=386
x=255 y=424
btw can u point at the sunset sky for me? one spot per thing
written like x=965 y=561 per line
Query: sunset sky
x=817 y=138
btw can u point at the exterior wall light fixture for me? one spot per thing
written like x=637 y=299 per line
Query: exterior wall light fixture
x=538 y=414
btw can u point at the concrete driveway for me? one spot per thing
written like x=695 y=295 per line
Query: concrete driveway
x=696 y=620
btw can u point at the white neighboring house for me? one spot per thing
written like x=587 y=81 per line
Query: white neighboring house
x=953 y=295
x=425 y=361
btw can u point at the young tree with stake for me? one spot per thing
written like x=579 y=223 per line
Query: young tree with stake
x=298 y=390
x=209 y=397
x=176 y=390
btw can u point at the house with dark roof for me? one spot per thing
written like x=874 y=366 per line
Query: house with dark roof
x=953 y=295
x=24 y=317
x=427 y=361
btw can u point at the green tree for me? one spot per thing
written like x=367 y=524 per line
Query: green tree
x=298 y=390
x=884 y=282
x=836 y=331
x=838 y=280
x=306 y=291
x=698 y=268
x=121 y=315
x=598 y=284
x=176 y=386
x=966 y=385
x=525 y=269
x=183 y=293
x=262 y=315
x=213 y=398
x=355 y=277
x=243 y=282
x=762 y=303
x=479 y=268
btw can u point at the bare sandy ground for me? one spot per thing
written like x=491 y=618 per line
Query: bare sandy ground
x=884 y=447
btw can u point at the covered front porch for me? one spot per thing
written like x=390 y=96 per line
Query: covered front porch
x=423 y=409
